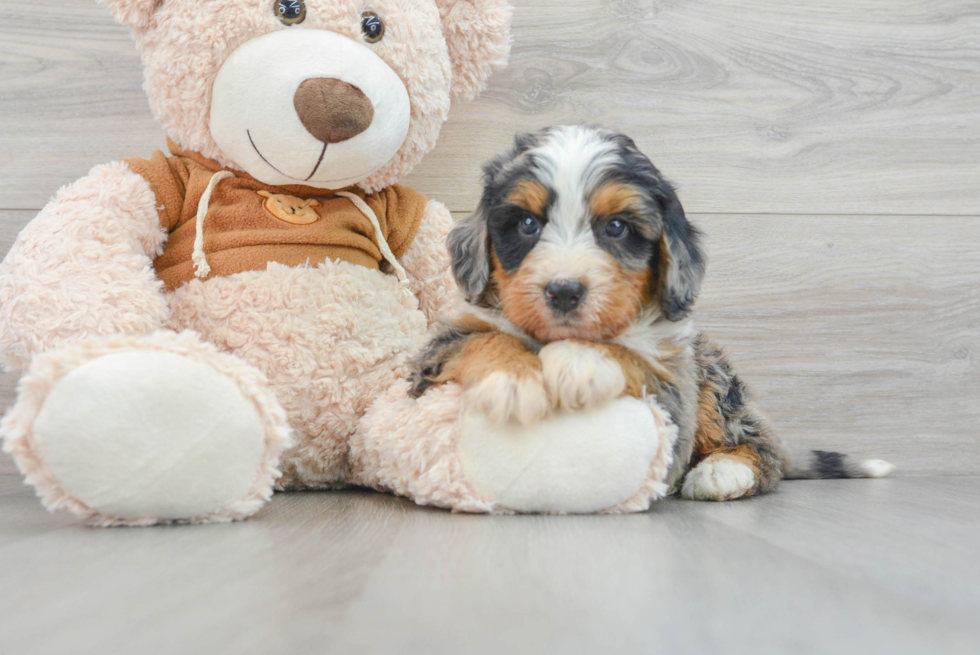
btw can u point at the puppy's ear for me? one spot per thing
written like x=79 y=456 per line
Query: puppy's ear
x=133 y=13
x=478 y=35
x=469 y=240
x=679 y=263
x=468 y=249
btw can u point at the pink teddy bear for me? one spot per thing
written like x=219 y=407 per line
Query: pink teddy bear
x=200 y=328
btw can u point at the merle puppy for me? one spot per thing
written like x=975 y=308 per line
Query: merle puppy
x=580 y=272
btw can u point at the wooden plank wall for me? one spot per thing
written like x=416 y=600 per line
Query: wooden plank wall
x=831 y=152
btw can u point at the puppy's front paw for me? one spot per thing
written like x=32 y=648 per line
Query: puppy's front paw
x=578 y=376
x=504 y=397
x=718 y=478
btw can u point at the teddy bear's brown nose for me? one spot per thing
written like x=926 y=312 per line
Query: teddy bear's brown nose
x=332 y=110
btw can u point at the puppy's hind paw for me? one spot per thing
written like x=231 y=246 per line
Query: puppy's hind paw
x=578 y=376
x=718 y=478
x=503 y=397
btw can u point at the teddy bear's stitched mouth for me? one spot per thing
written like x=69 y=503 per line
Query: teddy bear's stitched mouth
x=315 y=168
x=259 y=153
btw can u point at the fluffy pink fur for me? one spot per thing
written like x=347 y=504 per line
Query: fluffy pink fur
x=330 y=339
x=428 y=266
x=134 y=13
x=83 y=267
x=478 y=35
x=49 y=368
x=180 y=72
x=409 y=447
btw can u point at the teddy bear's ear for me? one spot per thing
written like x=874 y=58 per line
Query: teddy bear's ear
x=134 y=13
x=478 y=34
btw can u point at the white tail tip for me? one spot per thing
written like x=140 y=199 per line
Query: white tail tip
x=876 y=468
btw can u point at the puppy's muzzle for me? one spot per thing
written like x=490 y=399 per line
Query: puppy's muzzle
x=565 y=296
x=333 y=110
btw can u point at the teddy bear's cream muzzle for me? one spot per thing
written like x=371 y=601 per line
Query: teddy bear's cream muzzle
x=309 y=107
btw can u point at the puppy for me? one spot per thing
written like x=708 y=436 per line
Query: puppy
x=580 y=272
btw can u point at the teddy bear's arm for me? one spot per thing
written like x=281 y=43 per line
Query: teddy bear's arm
x=83 y=267
x=428 y=266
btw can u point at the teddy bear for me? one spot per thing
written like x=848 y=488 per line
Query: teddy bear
x=197 y=329
x=201 y=328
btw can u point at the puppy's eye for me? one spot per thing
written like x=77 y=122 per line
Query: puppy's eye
x=616 y=229
x=529 y=226
x=372 y=27
x=291 y=12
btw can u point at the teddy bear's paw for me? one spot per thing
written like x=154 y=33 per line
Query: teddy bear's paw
x=149 y=436
x=505 y=397
x=718 y=478
x=578 y=376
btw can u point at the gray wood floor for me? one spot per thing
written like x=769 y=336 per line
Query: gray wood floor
x=882 y=566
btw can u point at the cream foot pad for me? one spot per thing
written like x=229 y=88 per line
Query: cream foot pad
x=138 y=434
x=578 y=462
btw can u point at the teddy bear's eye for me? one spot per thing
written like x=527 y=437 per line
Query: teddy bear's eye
x=291 y=12
x=372 y=27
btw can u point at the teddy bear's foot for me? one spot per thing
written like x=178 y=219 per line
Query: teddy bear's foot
x=137 y=431
x=573 y=462
x=610 y=459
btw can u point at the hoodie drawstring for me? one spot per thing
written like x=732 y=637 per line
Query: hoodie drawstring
x=202 y=269
x=406 y=285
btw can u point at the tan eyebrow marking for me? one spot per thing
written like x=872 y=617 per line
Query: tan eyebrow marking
x=615 y=198
x=530 y=195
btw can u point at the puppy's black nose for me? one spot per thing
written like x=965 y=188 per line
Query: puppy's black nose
x=565 y=295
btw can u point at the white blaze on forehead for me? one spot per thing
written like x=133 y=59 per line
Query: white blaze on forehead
x=572 y=158
x=571 y=161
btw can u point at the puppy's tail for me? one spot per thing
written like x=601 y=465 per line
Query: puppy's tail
x=823 y=465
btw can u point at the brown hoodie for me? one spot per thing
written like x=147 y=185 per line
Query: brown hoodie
x=250 y=224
